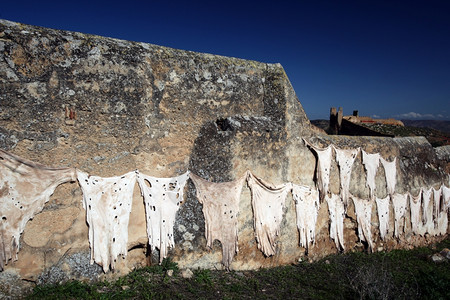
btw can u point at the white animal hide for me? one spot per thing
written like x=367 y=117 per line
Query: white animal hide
x=220 y=208
x=345 y=159
x=323 y=168
x=25 y=187
x=363 y=211
x=442 y=224
x=437 y=195
x=383 y=215
x=445 y=198
x=390 y=171
x=415 y=202
x=162 y=198
x=437 y=220
x=107 y=202
x=371 y=162
x=400 y=203
x=337 y=211
x=427 y=212
x=268 y=202
x=307 y=208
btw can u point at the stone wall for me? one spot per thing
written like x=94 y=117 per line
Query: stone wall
x=108 y=106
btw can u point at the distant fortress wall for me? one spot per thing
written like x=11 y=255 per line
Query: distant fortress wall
x=369 y=120
x=337 y=117
x=108 y=107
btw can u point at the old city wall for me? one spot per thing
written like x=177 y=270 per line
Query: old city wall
x=108 y=106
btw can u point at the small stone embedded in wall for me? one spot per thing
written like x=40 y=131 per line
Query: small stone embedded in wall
x=187 y=236
x=187 y=245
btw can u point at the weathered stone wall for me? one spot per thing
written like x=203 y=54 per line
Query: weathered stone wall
x=109 y=106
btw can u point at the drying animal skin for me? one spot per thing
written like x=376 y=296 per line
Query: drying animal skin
x=440 y=215
x=345 y=159
x=415 y=202
x=323 y=168
x=268 y=204
x=437 y=195
x=446 y=198
x=337 y=212
x=383 y=215
x=107 y=202
x=162 y=198
x=371 y=162
x=441 y=224
x=307 y=208
x=25 y=187
x=220 y=208
x=443 y=216
x=363 y=211
x=427 y=214
x=399 y=202
x=390 y=171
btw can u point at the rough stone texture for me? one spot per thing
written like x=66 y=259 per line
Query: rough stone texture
x=47 y=223
x=443 y=154
x=71 y=266
x=109 y=106
x=11 y=285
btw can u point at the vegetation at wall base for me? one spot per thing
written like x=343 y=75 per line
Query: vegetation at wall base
x=398 y=274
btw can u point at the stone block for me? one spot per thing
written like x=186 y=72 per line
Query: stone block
x=39 y=230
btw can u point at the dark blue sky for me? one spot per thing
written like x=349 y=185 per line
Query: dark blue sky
x=383 y=58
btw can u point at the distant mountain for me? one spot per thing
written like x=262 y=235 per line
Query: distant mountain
x=323 y=124
x=443 y=126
